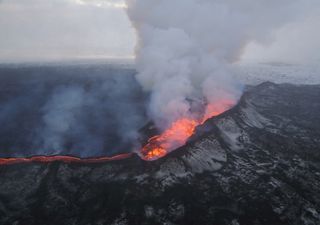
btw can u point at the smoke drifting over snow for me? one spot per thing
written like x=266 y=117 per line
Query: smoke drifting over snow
x=185 y=48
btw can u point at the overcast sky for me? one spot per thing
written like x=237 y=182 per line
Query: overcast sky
x=54 y=29
x=58 y=29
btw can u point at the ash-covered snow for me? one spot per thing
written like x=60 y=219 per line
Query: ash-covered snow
x=206 y=155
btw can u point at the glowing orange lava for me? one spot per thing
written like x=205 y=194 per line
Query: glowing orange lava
x=174 y=137
x=179 y=132
x=158 y=146
x=66 y=159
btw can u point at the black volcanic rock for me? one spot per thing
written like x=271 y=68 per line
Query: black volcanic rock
x=256 y=164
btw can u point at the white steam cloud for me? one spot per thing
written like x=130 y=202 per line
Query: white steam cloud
x=185 y=48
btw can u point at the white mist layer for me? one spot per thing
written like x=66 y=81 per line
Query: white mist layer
x=185 y=48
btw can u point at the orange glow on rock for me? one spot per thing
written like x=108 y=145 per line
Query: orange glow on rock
x=179 y=132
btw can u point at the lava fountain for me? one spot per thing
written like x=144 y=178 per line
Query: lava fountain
x=179 y=132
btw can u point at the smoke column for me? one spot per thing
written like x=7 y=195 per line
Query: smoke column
x=185 y=49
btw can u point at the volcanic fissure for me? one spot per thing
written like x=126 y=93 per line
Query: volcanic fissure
x=156 y=147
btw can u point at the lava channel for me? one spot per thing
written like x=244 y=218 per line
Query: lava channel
x=157 y=147
x=66 y=159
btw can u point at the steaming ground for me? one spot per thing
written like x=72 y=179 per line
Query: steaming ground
x=94 y=109
x=81 y=110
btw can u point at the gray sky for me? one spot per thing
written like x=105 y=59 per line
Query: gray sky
x=59 y=29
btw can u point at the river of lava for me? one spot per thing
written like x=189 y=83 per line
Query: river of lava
x=66 y=159
x=157 y=147
x=178 y=133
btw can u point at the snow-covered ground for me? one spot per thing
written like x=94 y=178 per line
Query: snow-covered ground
x=278 y=73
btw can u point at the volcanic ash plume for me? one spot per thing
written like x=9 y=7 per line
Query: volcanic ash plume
x=184 y=52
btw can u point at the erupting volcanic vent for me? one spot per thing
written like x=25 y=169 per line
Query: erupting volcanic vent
x=178 y=133
x=181 y=57
x=175 y=136
x=186 y=51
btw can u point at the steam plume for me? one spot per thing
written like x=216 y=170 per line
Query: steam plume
x=185 y=49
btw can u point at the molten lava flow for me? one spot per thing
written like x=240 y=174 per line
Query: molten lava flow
x=66 y=159
x=158 y=146
x=179 y=132
x=175 y=136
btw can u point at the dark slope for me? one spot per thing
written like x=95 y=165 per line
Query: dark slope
x=258 y=163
